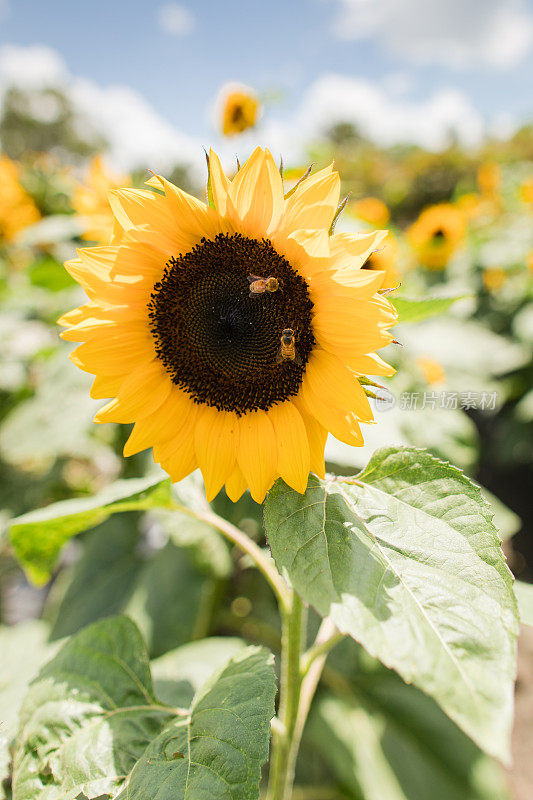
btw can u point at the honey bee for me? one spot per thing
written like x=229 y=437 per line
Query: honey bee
x=287 y=351
x=260 y=285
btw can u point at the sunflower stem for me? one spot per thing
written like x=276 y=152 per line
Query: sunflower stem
x=263 y=563
x=284 y=750
x=300 y=674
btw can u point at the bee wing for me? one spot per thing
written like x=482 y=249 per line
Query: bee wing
x=252 y=278
x=297 y=360
x=279 y=357
x=253 y=294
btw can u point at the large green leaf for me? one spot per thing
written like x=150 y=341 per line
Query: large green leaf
x=405 y=559
x=180 y=674
x=393 y=743
x=217 y=752
x=91 y=725
x=38 y=536
x=172 y=600
x=410 y=310
x=24 y=649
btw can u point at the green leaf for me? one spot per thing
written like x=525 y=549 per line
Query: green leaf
x=24 y=649
x=180 y=673
x=391 y=742
x=524 y=595
x=172 y=601
x=91 y=724
x=405 y=559
x=218 y=751
x=410 y=310
x=38 y=536
x=88 y=716
x=102 y=580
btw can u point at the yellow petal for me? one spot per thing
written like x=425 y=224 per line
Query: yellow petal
x=106 y=386
x=313 y=203
x=220 y=185
x=215 y=442
x=341 y=424
x=356 y=285
x=235 y=484
x=193 y=217
x=332 y=381
x=316 y=436
x=106 y=356
x=257 y=453
x=293 y=446
x=351 y=250
x=141 y=393
x=371 y=364
x=174 y=418
x=145 y=216
x=257 y=194
x=181 y=459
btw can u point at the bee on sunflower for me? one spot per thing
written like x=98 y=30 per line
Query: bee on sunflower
x=244 y=386
x=436 y=235
x=90 y=201
x=239 y=109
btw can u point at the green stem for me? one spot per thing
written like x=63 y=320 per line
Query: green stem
x=284 y=751
x=262 y=561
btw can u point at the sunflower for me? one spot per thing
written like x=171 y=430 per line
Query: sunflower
x=371 y=210
x=493 y=278
x=489 y=179
x=90 y=201
x=243 y=383
x=437 y=234
x=17 y=209
x=526 y=191
x=385 y=259
x=239 y=109
x=432 y=370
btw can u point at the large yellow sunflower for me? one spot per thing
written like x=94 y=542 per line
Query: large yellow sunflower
x=216 y=374
x=437 y=234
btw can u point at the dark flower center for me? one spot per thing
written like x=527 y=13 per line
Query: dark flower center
x=220 y=341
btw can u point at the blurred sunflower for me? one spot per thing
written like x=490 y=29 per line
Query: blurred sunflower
x=385 y=259
x=432 y=370
x=526 y=191
x=17 y=209
x=240 y=109
x=494 y=278
x=244 y=384
x=371 y=210
x=489 y=179
x=90 y=201
x=437 y=234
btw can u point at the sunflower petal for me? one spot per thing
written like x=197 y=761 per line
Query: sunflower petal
x=314 y=202
x=172 y=419
x=351 y=250
x=220 y=185
x=141 y=393
x=329 y=379
x=257 y=194
x=257 y=453
x=341 y=424
x=235 y=484
x=215 y=442
x=293 y=446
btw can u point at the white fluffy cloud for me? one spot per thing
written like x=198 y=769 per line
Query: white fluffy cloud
x=175 y=19
x=498 y=33
x=137 y=134
x=380 y=113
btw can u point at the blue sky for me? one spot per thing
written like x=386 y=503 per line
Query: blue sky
x=482 y=49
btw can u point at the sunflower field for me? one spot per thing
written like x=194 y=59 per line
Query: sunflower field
x=265 y=469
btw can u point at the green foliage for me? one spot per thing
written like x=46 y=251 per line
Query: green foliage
x=410 y=310
x=38 y=536
x=405 y=559
x=91 y=722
